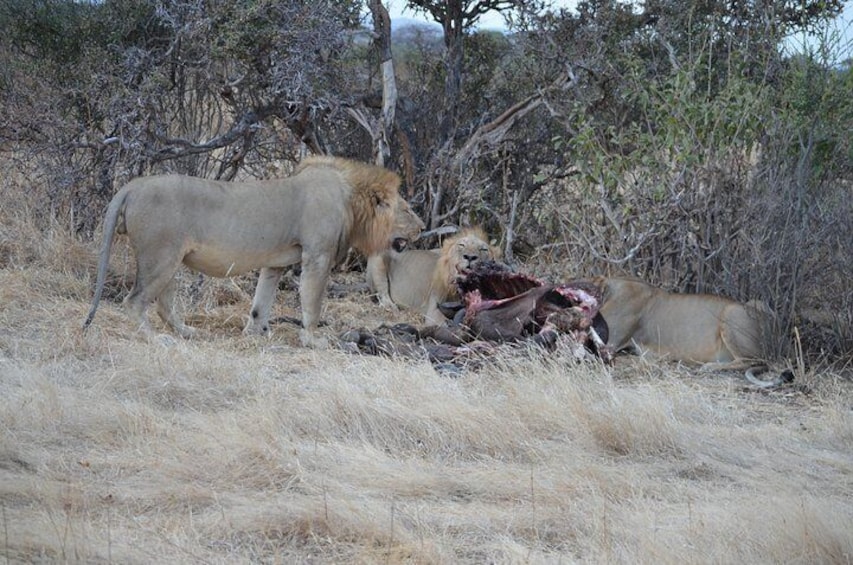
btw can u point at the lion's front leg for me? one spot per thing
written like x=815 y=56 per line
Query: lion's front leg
x=432 y=313
x=377 y=279
x=259 y=317
x=312 y=287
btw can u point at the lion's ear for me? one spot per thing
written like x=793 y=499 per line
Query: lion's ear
x=603 y=287
x=496 y=252
x=379 y=201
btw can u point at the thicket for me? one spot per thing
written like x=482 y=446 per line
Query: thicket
x=686 y=143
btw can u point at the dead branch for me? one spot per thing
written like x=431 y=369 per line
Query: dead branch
x=494 y=132
x=180 y=147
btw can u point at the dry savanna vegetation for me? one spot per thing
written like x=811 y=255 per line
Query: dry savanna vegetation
x=703 y=146
x=227 y=449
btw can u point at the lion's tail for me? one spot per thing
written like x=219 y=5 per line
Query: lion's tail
x=111 y=219
x=782 y=378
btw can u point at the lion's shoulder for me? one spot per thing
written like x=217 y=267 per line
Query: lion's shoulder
x=376 y=214
x=409 y=275
x=414 y=267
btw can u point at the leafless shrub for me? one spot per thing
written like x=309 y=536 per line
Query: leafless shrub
x=209 y=90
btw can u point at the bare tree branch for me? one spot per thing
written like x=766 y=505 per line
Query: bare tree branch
x=494 y=132
x=178 y=147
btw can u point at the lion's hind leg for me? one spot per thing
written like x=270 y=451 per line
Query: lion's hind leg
x=166 y=310
x=742 y=330
x=722 y=366
x=154 y=278
x=136 y=307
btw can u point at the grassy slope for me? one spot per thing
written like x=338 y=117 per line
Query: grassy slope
x=230 y=449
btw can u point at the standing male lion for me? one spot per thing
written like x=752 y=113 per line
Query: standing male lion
x=224 y=229
x=717 y=332
x=423 y=279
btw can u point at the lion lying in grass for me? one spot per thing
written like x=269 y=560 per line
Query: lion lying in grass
x=423 y=279
x=224 y=229
x=718 y=332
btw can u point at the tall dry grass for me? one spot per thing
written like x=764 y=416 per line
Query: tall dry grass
x=230 y=449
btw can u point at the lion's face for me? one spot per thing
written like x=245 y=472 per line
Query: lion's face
x=407 y=225
x=465 y=251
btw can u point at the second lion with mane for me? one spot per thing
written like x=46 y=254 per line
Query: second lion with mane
x=423 y=279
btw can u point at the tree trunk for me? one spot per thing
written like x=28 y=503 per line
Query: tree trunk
x=379 y=129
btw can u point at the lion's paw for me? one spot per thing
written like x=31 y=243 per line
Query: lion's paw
x=186 y=331
x=388 y=304
x=312 y=340
x=253 y=328
x=164 y=340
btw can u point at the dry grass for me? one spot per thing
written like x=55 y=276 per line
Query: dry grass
x=228 y=449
